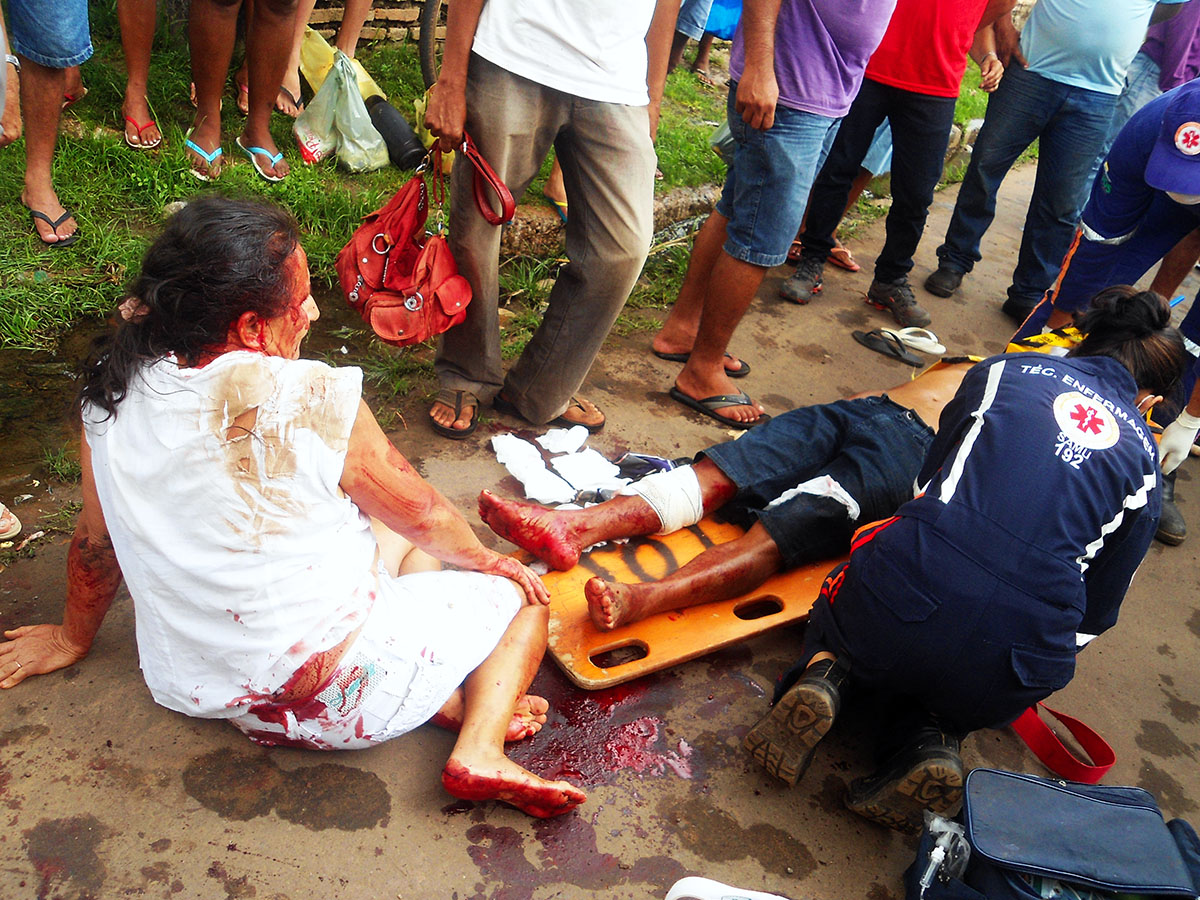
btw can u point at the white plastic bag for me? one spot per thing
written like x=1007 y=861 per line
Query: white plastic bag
x=336 y=121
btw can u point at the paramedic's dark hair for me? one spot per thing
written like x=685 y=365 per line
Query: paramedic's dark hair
x=1134 y=328
x=215 y=259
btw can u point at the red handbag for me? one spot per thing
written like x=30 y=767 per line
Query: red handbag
x=403 y=281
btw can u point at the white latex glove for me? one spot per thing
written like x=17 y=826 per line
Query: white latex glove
x=1177 y=440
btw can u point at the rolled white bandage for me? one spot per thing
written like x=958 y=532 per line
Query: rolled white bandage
x=675 y=496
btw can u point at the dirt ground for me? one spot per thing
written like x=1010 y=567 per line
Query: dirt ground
x=104 y=794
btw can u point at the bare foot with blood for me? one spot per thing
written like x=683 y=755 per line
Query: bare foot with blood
x=499 y=778
x=532 y=528
x=527 y=720
x=609 y=603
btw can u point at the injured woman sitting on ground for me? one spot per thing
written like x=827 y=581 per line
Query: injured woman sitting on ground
x=282 y=556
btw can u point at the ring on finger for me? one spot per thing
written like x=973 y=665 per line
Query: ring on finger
x=18 y=662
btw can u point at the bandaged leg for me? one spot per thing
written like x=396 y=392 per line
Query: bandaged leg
x=675 y=497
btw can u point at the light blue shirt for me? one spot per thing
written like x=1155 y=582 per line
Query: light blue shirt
x=1086 y=43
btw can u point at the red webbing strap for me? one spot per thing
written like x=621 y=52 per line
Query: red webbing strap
x=1055 y=755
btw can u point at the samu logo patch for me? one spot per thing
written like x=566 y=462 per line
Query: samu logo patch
x=1085 y=421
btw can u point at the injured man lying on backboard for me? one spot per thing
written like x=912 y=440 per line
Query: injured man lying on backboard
x=802 y=483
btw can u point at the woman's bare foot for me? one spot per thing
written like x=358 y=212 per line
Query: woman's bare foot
x=140 y=128
x=609 y=603
x=502 y=779
x=242 y=80
x=540 y=531
x=528 y=717
x=262 y=161
x=46 y=202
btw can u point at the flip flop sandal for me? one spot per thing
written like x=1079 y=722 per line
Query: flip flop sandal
x=35 y=214
x=560 y=206
x=843 y=259
x=741 y=371
x=293 y=99
x=795 y=252
x=70 y=100
x=888 y=344
x=502 y=405
x=209 y=158
x=10 y=525
x=920 y=339
x=254 y=152
x=457 y=401
x=139 y=128
x=709 y=406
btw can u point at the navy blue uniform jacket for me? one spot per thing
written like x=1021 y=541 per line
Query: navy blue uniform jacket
x=1041 y=500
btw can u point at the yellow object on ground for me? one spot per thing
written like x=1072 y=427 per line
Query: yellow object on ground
x=316 y=59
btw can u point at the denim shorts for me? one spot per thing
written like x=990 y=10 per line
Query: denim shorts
x=871 y=447
x=51 y=33
x=693 y=16
x=766 y=188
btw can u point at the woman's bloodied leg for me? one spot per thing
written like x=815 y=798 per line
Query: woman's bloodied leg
x=477 y=768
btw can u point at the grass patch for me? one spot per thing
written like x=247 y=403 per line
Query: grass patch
x=62 y=465
x=62 y=520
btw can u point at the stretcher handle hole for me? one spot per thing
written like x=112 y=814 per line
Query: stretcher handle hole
x=619 y=655
x=759 y=607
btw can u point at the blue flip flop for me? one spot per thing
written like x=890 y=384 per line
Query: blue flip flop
x=254 y=152
x=209 y=159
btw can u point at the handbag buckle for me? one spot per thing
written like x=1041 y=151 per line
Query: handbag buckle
x=374 y=244
x=415 y=302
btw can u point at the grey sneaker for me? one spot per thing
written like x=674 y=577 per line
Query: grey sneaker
x=897 y=298
x=943 y=282
x=804 y=282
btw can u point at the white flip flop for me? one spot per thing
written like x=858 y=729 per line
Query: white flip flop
x=696 y=888
x=921 y=339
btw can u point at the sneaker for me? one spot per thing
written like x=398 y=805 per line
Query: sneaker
x=784 y=739
x=804 y=282
x=943 y=282
x=1172 y=528
x=1016 y=311
x=897 y=298
x=927 y=773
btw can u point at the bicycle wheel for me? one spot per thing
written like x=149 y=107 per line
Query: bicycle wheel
x=433 y=30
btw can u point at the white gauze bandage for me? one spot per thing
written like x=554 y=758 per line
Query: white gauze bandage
x=674 y=496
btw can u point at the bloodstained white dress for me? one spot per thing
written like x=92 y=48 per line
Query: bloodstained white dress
x=246 y=561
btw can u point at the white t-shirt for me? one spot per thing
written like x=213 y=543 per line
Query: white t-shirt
x=220 y=490
x=595 y=50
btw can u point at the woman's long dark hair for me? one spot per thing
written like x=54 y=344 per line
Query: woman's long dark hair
x=1134 y=328
x=216 y=259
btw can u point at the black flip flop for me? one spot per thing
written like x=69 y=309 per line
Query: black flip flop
x=35 y=214
x=709 y=406
x=454 y=399
x=741 y=371
x=888 y=344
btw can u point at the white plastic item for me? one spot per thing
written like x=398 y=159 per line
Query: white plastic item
x=336 y=121
x=696 y=888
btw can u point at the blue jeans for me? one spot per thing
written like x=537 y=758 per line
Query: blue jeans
x=920 y=130
x=767 y=186
x=1071 y=124
x=51 y=33
x=1141 y=86
x=871 y=446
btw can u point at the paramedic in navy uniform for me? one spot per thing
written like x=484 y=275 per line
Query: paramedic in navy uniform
x=1040 y=498
x=1144 y=200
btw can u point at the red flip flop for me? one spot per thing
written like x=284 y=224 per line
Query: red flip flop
x=140 y=128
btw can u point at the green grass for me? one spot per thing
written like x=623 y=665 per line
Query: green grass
x=62 y=520
x=62 y=464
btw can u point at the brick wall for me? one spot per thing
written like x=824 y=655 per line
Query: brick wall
x=392 y=20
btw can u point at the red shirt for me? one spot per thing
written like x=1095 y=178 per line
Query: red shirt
x=924 y=49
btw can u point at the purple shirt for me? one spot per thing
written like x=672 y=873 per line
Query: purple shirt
x=1173 y=45
x=821 y=49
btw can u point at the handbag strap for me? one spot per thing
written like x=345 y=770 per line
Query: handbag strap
x=1055 y=755
x=485 y=178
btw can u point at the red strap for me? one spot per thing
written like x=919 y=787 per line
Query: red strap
x=485 y=178
x=1055 y=755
